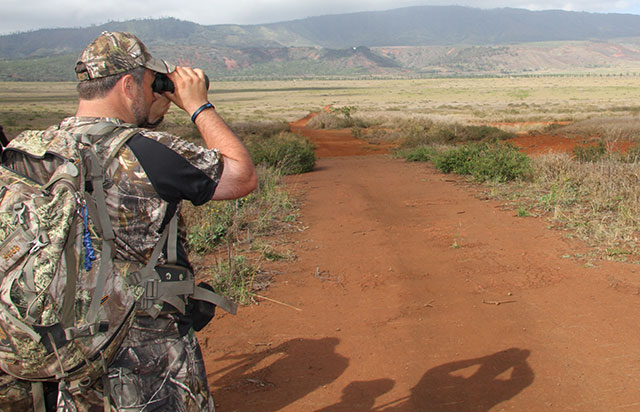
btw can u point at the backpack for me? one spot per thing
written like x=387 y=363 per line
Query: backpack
x=66 y=304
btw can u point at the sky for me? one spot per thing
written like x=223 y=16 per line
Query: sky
x=26 y=15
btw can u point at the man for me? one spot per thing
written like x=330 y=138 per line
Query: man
x=159 y=366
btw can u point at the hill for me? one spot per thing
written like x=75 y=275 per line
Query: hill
x=447 y=40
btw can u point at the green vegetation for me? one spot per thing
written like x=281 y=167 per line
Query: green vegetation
x=237 y=224
x=591 y=154
x=269 y=210
x=485 y=162
x=482 y=156
x=286 y=152
x=596 y=200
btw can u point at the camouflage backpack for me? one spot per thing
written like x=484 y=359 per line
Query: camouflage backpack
x=65 y=303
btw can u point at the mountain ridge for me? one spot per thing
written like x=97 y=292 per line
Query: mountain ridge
x=376 y=43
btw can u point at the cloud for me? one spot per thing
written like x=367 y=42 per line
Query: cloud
x=20 y=15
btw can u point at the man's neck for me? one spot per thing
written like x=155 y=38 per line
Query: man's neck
x=103 y=107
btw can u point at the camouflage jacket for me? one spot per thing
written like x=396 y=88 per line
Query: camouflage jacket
x=136 y=210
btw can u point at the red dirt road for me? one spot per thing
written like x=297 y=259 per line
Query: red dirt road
x=410 y=293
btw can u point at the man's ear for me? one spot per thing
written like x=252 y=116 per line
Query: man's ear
x=128 y=86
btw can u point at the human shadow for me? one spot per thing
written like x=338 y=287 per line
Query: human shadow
x=273 y=378
x=360 y=396
x=472 y=385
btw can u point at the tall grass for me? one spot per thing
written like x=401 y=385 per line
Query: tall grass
x=268 y=210
x=606 y=128
x=235 y=225
x=597 y=201
x=416 y=132
x=286 y=152
x=482 y=155
x=592 y=192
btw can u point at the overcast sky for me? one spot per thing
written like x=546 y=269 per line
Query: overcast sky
x=23 y=15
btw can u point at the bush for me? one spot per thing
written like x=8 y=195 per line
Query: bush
x=590 y=154
x=415 y=132
x=418 y=154
x=424 y=132
x=267 y=210
x=287 y=152
x=336 y=119
x=483 y=133
x=329 y=121
x=483 y=161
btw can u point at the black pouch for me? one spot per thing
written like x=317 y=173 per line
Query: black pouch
x=200 y=311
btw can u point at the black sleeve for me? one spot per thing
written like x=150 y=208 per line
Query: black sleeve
x=173 y=177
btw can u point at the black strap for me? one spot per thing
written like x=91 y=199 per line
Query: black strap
x=3 y=138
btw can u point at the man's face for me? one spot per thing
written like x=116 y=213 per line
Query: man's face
x=143 y=100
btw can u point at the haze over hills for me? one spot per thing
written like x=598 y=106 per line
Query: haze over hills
x=425 y=40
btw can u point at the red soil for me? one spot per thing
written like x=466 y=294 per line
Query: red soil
x=409 y=293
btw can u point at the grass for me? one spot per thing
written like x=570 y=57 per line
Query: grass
x=466 y=101
x=268 y=210
x=593 y=193
x=286 y=152
x=494 y=162
x=595 y=199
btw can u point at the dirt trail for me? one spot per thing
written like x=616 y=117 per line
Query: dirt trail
x=411 y=294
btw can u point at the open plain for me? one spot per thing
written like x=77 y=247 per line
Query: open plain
x=411 y=291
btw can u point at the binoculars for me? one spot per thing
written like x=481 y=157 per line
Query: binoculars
x=162 y=83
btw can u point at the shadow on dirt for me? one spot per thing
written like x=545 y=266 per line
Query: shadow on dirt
x=473 y=385
x=287 y=372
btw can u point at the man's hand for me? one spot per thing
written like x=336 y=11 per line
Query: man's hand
x=190 y=89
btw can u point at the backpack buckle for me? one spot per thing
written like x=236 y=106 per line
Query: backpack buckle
x=19 y=210
x=40 y=242
x=152 y=288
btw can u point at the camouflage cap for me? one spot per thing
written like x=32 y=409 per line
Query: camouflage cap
x=114 y=53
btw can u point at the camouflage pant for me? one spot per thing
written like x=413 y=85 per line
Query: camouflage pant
x=156 y=370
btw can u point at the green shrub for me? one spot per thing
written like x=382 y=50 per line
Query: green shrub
x=287 y=152
x=418 y=154
x=346 y=111
x=267 y=210
x=484 y=161
x=590 y=154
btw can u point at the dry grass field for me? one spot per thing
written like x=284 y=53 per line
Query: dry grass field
x=472 y=101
